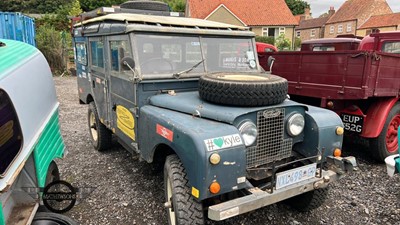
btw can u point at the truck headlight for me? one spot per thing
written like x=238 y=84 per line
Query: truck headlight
x=248 y=131
x=295 y=124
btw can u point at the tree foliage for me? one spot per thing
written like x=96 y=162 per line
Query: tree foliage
x=297 y=6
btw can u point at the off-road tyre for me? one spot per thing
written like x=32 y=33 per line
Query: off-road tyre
x=243 y=90
x=309 y=200
x=46 y=218
x=104 y=136
x=146 y=5
x=387 y=142
x=185 y=209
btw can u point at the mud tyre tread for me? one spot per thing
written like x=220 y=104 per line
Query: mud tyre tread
x=146 y=5
x=104 y=135
x=187 y=209
x=243 y=93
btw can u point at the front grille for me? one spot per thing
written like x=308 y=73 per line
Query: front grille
x=271 y=145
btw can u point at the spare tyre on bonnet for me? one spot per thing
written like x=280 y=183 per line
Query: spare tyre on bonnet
x=189 y=94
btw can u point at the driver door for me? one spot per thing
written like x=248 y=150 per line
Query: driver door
x=122 y=90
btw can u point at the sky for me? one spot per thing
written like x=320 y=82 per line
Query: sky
x=319 y=7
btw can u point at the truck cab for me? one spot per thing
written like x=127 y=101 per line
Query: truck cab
x=189 y=94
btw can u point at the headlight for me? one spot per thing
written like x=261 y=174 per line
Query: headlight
x=295 y=124
x=249 y=132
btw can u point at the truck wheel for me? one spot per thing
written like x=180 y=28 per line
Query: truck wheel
x=49 y=218
x=387 y=142
x=309 y=200
x=181 y=207
x=100 y=135
x=53 y=174
x=146 y=5
x=243 y=90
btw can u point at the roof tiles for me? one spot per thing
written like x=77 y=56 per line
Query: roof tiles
x=385 y=20
x=354 y=9
x=251 y=12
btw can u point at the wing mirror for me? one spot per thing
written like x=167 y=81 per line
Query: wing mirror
x=128 y=63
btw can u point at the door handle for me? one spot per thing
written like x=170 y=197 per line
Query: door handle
x=93 y=84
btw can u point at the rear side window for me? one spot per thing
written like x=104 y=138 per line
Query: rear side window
x=97 y=49
x=10 y=133
x=391 y=47
x=80 y=49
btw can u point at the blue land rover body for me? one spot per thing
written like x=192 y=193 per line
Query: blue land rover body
x=140 y=76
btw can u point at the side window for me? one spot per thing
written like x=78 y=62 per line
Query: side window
x=80 y=51
x=391 y=47
x=10 y=133
x=119 y=50
x=97 y=58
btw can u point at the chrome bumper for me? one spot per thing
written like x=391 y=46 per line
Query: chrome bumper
x=259 y=198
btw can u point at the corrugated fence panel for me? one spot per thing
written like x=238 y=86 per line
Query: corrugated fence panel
x=17 y=26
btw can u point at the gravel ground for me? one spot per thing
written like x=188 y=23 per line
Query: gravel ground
x=130 y=192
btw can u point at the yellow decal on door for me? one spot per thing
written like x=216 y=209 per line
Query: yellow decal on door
x=6 y=132
x=125 y=121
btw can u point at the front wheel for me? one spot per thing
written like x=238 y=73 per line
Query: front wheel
x=181 y=207
x=309 y=200
x=387 y=142
x=100 y=135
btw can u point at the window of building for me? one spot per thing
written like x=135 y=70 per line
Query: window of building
x=271 y=31
x=312 y=33
x=332 y=29
x=281 y=30
x=297 y=33
x=340 y=29
x=10 y=133
x=80 y=51
x=348 y=27
x=97 y=54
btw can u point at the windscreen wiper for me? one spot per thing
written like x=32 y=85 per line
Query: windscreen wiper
x=178 y=74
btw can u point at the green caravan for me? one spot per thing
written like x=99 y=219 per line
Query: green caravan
x=30 y=137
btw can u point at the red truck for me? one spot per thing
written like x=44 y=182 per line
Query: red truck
x=362 y=85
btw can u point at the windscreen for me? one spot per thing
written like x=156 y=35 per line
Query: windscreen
x=167 y=54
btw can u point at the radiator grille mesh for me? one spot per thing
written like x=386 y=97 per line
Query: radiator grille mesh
x=271 y=145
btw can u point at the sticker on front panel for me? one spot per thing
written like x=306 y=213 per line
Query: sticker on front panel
x=165 y=132
x=223 y=142
x=125 y=121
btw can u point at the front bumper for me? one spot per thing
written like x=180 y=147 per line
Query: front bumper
x=392 y=162
x=259 y=198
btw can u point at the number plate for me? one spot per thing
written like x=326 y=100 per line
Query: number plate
x=352 y=123
x=293 y=176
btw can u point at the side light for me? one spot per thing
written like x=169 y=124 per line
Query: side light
x=339 y=131
x=337 y=152
x=215 y=158
x=215 y=187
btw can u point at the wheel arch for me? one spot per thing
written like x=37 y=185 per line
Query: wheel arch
x=377 y=114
